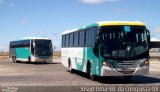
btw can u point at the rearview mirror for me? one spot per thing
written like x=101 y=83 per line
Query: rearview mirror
x=148 y=38
x=54 y=47
x=34 y=45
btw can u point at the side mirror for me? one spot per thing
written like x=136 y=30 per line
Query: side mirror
x=34 y=45
x=54 y=47
x=148 y=38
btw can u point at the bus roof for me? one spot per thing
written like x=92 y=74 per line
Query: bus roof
x=35 y=38
x=107 y=23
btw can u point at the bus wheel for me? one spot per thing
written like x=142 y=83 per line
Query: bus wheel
x=14 y=59
x=128 y=78
x=29 y=59
x=70 y=66
x=89 y=71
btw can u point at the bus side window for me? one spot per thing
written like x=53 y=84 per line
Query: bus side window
x=32 y=49
x=11 y=45
x=95 y=40
x=85 y=41
x=94 y=35
x=67 y=40
x=78 y=39
x=62 y=45
x=28 y=43
x=76 y=36
x=88 y=37
x=64 y=41
x=81 y=39
x=70 y=39
x=73 y=40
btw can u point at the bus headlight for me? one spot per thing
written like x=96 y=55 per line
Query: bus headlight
x=145 y=63
x=107 y=64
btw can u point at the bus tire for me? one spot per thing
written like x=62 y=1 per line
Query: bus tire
x=29 y=59
x=70 y=66
x=89 y=72
x=14 y=59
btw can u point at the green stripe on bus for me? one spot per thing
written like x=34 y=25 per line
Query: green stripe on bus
x=23 y=53
x=92 y=25
x=88 y=26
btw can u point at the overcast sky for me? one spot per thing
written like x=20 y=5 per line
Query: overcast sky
x=49 y=18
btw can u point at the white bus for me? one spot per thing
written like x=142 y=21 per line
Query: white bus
x=31 y=49
x=109 y=48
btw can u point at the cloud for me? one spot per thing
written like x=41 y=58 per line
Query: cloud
x=7 y=3
x=41 y=32
x=122 y=10
x=11 y=4
x=24 y=21
x=96 y=1
x=1 y=1
x=157 y=30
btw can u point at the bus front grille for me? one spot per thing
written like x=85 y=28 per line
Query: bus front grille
x=127 y=72
x=126 y=63
x=126 y=67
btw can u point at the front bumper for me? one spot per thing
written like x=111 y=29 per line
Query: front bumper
x=47 y=60
x=107 y=71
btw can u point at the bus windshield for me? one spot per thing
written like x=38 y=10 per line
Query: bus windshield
x=123 y=41
x=43 y=47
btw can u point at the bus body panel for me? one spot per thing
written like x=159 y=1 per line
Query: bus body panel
x=12 y=52
x=23 y=53
x=79 y=58
x=95 y=62
x=47 y=59
x=75 y=55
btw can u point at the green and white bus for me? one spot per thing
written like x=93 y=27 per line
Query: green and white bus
x=31 y=49
x=107 y=48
